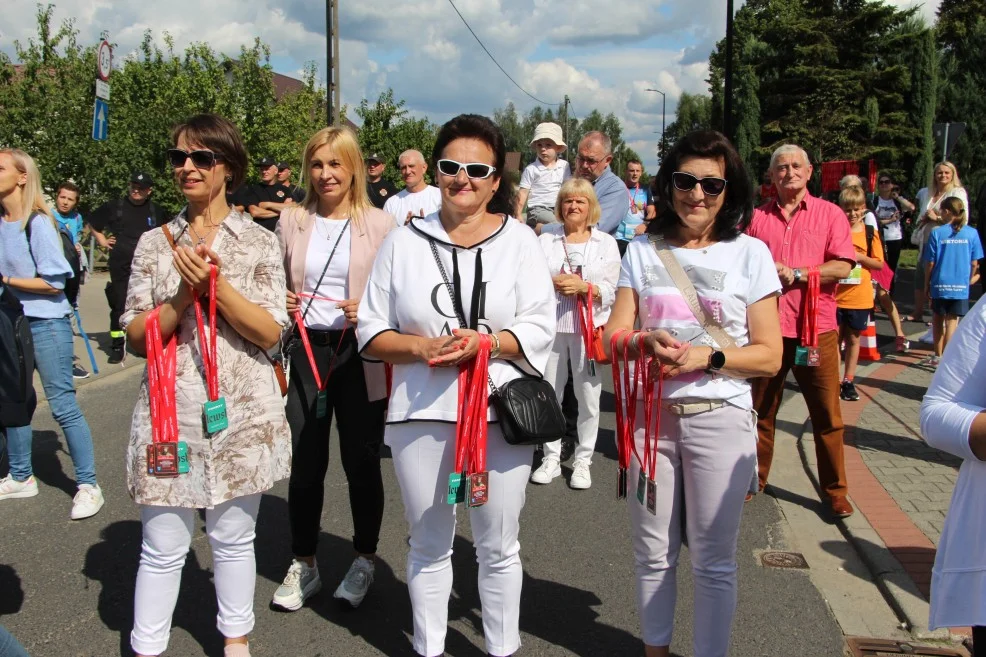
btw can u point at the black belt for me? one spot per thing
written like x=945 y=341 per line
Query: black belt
x=321 y=338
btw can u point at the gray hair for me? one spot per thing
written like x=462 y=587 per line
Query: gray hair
x=851 y=181
x=788 y=149
x=411 y=153
x=602 y=139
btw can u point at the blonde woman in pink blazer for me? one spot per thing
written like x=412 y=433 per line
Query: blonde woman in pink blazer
x=329 y=244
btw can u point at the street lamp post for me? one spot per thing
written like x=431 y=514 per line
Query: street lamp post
x=664 y=106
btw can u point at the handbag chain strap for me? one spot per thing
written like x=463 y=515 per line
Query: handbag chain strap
x=451 y=293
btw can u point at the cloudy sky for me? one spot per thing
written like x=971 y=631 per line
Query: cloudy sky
x=604 y=54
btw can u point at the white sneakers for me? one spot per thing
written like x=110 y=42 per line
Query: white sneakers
x=551 y=468
x=11 y=489
x=356 y=583
x=301 y=583
x=87 y=502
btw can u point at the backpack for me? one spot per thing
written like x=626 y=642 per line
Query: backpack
x=68 y=250
x=17 y=396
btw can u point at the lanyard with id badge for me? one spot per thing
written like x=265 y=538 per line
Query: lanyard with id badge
x=166 y=455
x=214 y=409
x=470 y=482
x=807 y=353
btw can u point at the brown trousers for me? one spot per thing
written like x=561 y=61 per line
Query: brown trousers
x=820 y=387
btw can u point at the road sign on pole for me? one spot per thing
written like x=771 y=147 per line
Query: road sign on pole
x=104 y=60
x=100 y=119
x=102 y=89
x=946 y=134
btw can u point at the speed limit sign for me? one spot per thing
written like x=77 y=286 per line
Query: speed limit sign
x=104 y=61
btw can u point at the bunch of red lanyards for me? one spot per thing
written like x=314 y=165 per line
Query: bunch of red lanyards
x=625 y=387
x=471 y=430
x=587 y=327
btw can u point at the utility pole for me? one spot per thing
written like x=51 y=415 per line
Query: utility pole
x=727 y=110
x=332 y=91
x=564 y=130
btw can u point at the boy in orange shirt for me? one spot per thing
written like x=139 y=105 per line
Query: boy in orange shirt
x=854 y=295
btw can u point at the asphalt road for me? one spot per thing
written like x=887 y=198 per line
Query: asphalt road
x=66 y=588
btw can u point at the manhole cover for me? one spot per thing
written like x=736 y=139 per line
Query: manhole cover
x=890 y=648
x=783 y=560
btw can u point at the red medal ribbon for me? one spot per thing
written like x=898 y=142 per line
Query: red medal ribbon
x=471 y=425
x=625 y=388
x=208 y=351
x=586 y=325
x=303 y=332
x=652 y=406
x=161 y=364
x=809 y=320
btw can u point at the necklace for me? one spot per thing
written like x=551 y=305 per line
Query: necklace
x=201 y=240
x=328 y=234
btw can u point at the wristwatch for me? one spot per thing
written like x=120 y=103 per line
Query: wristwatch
x=717 y=361
x=797 y=275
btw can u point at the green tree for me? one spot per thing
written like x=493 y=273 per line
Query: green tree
x=694 y=112
x=388 y=130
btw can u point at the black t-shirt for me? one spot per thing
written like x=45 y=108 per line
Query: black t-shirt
x=380 y=191
x=127 y=222
x=276 y=193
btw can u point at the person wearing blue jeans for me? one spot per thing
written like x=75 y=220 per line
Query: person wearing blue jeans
x=9 y=646
x=36 y=274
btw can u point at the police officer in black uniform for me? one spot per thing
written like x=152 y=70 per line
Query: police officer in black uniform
x=268 y=197
x=296 y=193
x=378 y=188
x=117 y=226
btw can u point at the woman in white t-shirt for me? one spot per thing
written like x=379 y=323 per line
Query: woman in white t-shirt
x=577 y=257
x=329 y=243
x=706 y=449
x=497 y=281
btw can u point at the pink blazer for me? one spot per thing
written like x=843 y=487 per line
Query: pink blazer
x=294 y=231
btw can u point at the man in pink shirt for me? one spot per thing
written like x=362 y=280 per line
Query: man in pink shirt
x=802 y=231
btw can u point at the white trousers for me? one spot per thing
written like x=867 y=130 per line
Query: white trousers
x=424 y=456
x=704 y=465
x=167 y=537
x=568 y=348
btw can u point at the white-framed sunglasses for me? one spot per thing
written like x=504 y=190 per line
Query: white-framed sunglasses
x=475 y=170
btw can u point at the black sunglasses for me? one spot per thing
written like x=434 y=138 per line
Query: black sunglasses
x=475 y=170
x=886 y=181
x=201 y=159
x=685 y=182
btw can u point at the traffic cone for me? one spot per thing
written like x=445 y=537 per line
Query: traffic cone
x=867 y=342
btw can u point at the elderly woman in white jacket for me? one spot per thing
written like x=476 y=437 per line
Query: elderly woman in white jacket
x=953 y=419
x=578 y=257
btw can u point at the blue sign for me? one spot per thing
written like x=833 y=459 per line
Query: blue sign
x=100 y=119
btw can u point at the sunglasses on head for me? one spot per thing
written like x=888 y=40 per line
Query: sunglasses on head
x=201 y=159
x=475 y=170
x=685 y=182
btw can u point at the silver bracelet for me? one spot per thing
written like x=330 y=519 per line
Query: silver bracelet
x=495 y=351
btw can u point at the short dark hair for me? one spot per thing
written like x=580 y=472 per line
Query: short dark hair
x=69 y=185
x=737 y=209
x=219 y=135
x=635 y=161
x=474 y=126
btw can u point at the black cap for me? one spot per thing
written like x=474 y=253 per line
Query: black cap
x=265 y=163
x=281 y=166
x=375 y=157
x=142 y=179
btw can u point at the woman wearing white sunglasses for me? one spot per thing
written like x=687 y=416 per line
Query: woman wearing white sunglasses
x=435 y=288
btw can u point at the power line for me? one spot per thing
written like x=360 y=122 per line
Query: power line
x=503 y=70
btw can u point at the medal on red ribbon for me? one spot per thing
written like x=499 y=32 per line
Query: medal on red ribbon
x=321 y=397
x=166 y=455
x=470 y=482
x=807 y=352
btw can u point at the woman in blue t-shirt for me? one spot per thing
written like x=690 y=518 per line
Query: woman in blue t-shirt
x=36 y=274
x=951 y=258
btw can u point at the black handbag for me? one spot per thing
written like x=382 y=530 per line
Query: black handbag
x=527 y=408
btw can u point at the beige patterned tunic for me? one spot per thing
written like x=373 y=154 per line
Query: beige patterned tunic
x=255 y=451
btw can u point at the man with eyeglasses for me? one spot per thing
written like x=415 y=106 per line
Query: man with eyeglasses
x=805 y=234
x=117 y=226
x=268 y=197
x=418 y=198
x=379 y=189
x=592 y=163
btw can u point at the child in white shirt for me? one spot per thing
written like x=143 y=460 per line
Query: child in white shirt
x=541 y=180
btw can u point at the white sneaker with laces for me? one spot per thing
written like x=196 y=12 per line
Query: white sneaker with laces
x=580 y=475
x=550 y=468
x=356 y=583
x=11 y=489
x=87 y=502
x=301 y=583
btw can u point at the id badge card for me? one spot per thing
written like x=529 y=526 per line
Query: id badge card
x=165 y=459
x=456 y=490
x=652 y=497
x=215 y=415
x=321 y=404
x=182 y=457
x=621 y=484
x=641 y=486
x=807 y=356
x=479 y=488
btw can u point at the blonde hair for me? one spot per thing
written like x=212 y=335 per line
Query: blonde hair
x=955 y=182
x=32 y=198
x=956 y=207
x=852 y=196
x=579 y=187
x=343 y=143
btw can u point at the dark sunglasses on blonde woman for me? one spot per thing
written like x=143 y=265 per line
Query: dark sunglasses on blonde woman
x=201 y=159
x=475 y=170
x=685 y=182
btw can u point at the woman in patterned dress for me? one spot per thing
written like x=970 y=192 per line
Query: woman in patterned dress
x=230 y=467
